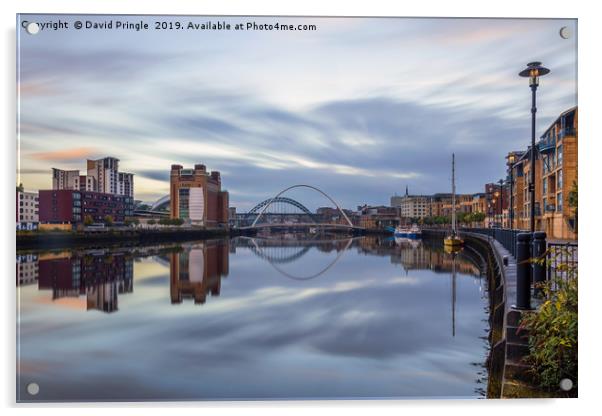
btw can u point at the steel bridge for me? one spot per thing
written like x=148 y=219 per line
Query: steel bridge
x=302 y=219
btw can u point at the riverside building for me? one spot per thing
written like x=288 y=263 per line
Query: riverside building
x=555 y=176
x=66 y=208
x=27 y=211
x=102 y=176
x=196 y=196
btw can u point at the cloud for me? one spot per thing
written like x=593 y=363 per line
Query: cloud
x=66 y=155
x=362 y=107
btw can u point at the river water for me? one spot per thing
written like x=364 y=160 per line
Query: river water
x=263 y=318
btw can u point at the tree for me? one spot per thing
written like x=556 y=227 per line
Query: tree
x=108 y=220
x=20 y=188
x=88 y=220
x=479 y=217
x=463 y=217
x=151 y=222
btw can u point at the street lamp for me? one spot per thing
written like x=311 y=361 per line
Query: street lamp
x=533 y=71
x=501 y=182
x=511 y=161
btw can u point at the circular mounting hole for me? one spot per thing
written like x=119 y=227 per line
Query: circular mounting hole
x=33 y=389
x=32 y=28
x=566 y=384
x=565 y=32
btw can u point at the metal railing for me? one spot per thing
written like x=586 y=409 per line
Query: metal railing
x=561 y=262
x=505 y=236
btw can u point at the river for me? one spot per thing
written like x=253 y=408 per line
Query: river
x=252 y=318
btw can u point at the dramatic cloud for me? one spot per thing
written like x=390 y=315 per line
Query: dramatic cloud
x=359 y=107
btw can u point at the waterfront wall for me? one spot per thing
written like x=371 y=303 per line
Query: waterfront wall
x=493 y=270
x=64 y=239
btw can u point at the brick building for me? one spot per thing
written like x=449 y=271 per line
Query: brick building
x=70 y=207
x=196 y=196
x=555 y=174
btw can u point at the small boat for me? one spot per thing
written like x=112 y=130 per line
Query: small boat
x=453 y=240
x=413 y=232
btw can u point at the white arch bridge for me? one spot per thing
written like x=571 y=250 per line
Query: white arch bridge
x=262 y=218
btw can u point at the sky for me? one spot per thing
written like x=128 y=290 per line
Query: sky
x=359 y=107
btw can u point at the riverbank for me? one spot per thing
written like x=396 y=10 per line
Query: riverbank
x=67 y=239
x=508 y=375
x=31 y=240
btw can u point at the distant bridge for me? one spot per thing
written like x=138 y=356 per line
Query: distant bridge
x=260 y=211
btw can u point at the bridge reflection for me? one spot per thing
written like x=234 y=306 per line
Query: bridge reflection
x=282 y=251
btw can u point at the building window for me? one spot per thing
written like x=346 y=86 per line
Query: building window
x=559 y=187
x=559 y=155
x=559 y=202
x=545 y=186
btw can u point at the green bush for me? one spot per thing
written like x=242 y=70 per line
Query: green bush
x=553 y=333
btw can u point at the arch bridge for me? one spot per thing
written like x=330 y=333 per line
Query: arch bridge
x=259 y=213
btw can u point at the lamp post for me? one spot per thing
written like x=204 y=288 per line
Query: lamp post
x=511 y=161
x=533 y=71
x=501 y=182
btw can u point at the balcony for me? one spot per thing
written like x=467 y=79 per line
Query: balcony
x=567 y=131
x=550 y=208
x=547 y=144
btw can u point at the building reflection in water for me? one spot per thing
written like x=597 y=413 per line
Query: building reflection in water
x=197 y=270
x=27 y=269
x=98 y=276
x=429 y=255
x=419 y=255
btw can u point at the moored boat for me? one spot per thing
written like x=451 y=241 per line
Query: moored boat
x=412 y=232
x=453 y=240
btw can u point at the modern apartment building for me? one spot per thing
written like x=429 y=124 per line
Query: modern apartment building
x=102 y=176
x=86 y=183
x=196 y=196
x=27 y=210
x=555 y=175
x=65 y=179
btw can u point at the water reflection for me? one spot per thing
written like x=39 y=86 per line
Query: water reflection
x=197 y=270
x=287 y=250
x=96 y=278
x=378 y=318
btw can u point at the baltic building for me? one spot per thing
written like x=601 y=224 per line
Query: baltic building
x=196 y=196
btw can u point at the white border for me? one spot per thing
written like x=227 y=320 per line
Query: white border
x=589 y=67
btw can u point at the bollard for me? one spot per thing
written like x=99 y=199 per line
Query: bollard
x=523 y=271
x=539 y=249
